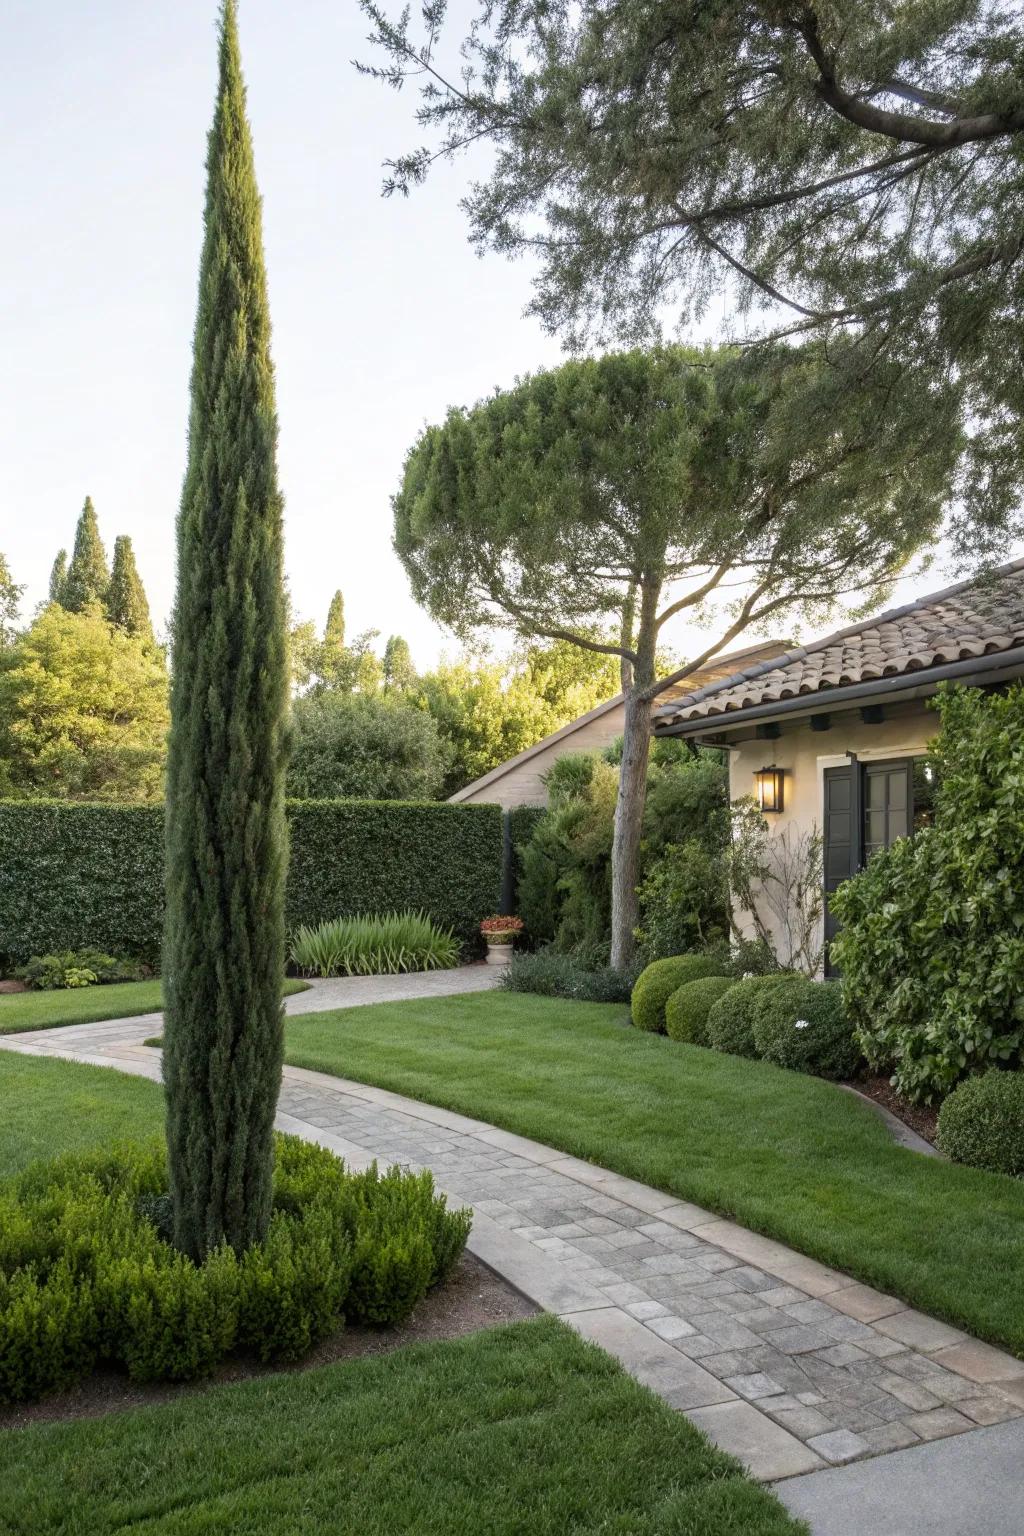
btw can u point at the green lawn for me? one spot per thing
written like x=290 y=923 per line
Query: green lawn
x=522 y=1429
x=52 y=1106
x=788 y=1155
x=87 y=1005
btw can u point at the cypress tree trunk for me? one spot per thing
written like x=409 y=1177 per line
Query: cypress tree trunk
x=226 y=837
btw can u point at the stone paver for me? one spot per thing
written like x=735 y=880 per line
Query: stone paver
x=787 y=1363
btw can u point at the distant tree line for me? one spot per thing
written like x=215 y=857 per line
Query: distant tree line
x=372 y=725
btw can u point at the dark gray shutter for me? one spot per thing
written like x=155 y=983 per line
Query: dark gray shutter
x=841 y=830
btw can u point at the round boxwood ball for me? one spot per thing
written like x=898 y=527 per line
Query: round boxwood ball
x=686 y=1012
x=981 y=1123
x=655 y=985
x=801 y=1024
x=729 y=1024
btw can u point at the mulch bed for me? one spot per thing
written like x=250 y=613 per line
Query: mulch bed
x=922 y=1118
x=472 y=1299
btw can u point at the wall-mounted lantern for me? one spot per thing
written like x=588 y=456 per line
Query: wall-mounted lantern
x=768 y=784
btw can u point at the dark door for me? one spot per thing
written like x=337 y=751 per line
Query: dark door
x=867 y=807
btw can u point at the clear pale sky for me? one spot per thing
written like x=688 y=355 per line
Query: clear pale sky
x=382 y=315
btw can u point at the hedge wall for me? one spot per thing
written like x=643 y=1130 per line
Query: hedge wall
x=522 y=821
x=73 y=876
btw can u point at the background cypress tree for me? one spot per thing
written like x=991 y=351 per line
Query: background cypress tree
x=334 y=629
x=88 y=574
x=58 y=577
x=226 y=850
x=127 y=605
x=399 y=672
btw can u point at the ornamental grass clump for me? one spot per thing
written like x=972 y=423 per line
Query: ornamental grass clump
x=89 y=1276
x=374 y=946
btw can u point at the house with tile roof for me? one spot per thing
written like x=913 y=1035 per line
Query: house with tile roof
x=834 y=735
x=521 y=779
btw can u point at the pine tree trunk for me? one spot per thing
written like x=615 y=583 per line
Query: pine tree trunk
x=226 y=836
x=629 y=816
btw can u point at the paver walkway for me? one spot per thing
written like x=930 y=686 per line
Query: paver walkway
x=786 y=1363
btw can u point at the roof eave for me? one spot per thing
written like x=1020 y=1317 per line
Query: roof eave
x=991 y=668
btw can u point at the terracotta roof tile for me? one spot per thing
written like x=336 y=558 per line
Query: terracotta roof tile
x=980 y=617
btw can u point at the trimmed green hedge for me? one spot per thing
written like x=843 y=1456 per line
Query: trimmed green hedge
x=78 y=876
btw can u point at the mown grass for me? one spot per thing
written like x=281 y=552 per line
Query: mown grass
x=88 y=1005
x=52 y=1106
x=520 y=1429
x=790 y=1156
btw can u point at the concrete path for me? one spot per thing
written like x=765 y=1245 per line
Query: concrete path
x=786 y=1363
x=972 y=1485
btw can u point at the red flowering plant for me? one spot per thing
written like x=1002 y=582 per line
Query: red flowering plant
x=501 y=930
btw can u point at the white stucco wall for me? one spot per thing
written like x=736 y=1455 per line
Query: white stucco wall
x=805 y=754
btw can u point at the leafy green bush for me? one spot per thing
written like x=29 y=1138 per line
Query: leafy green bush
x=564 y=867
x=49 y=973
x=357 y=746
x=102 y=868
x=981 y=1123
x=374 y=946
x=686 y=1012
x=87 y=1274
x=660 y=979
x=802 y=1024
x=932 y=943
x=730 y=1021
x=548 y=973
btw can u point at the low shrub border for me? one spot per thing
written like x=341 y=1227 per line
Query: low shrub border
x=686 y=1012
x=87 y=1274
x=659 y=980
x=802 y=1025
x=92 y=876
x=981 y=1123
x=549 y=973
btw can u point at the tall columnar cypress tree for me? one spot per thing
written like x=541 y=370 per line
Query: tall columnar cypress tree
x=226 y=838
x=334 y=629
x=127 y=604
x=58 y=577
x=88 y=574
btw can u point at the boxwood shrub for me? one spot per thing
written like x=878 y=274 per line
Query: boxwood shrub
x=802 y=1024
x=686 y=1012
x=730 y=1021
x=92 y=876
x=659 y=980
x=981 y=1123
x=88 y=1276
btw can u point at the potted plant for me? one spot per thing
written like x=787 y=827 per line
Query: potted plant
x=499 y=933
